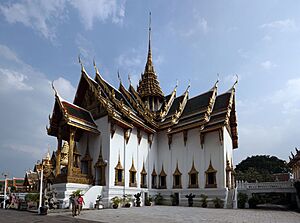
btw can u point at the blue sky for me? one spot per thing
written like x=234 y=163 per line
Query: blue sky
x=191 y=41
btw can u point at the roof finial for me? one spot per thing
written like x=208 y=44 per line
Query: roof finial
x=52 y=84
x=149 y=59
x=236 y=81
x=129 y=79
x=176 y=83
x=119 y=76
x=96 y=69
x=187 y=89
x=81 y=64
x=149 y=31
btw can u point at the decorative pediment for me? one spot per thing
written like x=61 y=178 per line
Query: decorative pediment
x=132 y=168
x=177 y=171
x=162 y=172
x=144 y=172
x=193 y=169
x=210 y=168
x=154 y=171
x=119 y=165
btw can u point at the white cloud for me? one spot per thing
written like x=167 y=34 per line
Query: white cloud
x=244 y=54
x=199 y=26
x=268 y=65
x=13 y=79
x=288 y=97
x=44 y=16
x=101 y=10
x=38 y=15
x=8 y=54
x=267 y=38
x=64 y=88
x=28 y=100
x=282 y=25
x=195 y=26
x=85 y=48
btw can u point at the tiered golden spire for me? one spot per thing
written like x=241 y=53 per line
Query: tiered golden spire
x=149 y=85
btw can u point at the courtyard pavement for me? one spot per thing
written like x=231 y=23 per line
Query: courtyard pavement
x=168 y=214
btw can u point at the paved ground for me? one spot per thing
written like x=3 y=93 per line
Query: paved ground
x=156 y=214
x=12 y=216
x=168 y=214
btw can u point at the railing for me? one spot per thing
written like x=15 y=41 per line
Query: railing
x=265 y=185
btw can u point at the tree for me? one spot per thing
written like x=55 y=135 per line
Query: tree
x=260 y=168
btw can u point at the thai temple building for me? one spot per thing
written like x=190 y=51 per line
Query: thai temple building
x=294 y=164
x=118 y=141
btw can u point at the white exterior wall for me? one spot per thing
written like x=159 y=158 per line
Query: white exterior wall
x=213 y=150
x=159 y=153
x=94 y=144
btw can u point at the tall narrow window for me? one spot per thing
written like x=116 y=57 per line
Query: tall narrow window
x=211 y=181
x=100 y=166
x=177 y=178
x=132 y=175
x=154 y=178
x=119 y=174
x=162 y=179
x=143 y=177
x=193 y=175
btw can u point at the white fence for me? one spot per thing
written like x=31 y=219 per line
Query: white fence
x=279 y=186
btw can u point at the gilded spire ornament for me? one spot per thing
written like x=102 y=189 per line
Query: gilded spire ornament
x=149 y=85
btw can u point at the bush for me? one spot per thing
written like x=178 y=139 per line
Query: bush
x=158 y=199
x=252 y=202
x=242 y=199
x=148 y=201
x=116 y=201
x=203 y=200
x=32 y=198
x=218 y=202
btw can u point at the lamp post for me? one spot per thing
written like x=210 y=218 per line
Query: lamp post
x=5 y=186
x=41 y=188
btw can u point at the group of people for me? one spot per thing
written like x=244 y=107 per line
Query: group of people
x=76 y=202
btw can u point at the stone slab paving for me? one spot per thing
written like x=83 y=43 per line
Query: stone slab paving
x=15 y=216
x=168 y=214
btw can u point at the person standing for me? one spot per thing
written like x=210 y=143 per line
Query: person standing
x=74 y=202
x=80 y=202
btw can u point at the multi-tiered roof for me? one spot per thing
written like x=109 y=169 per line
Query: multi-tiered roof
x=129 y=107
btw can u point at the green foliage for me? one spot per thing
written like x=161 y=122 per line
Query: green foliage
x=116 y=200
x=158 y=199
x=218 y=202
x=203 y=200
x=253 y=201
x=260 y=168
x=127 y=199
x=148 y=200
x=242 y=199
x=32 y=197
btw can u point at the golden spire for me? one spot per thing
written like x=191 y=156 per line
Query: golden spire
x=148 y=84
x=149 y=59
